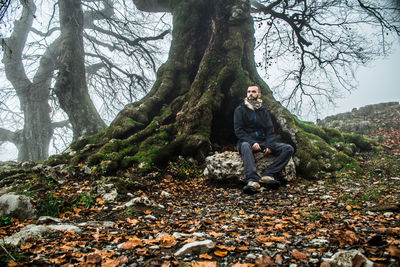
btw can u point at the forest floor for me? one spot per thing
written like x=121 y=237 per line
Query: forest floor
x=300 y=224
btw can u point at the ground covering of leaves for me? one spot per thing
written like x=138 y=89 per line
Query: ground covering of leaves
x=301 y=223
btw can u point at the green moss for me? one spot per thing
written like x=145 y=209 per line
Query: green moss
x=127 y=162
x=334 y=135
x=111 y=146
x=312 y=128
x=360 y=141
x=58 y=159
x=95 y=159
x=79 y=143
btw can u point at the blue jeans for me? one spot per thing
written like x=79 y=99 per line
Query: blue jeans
x=281 y=151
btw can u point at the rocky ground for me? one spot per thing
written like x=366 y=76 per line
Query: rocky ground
x=180 y=218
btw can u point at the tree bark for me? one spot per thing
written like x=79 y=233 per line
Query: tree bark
x=33 y=141
x=189 y=111
x=71 y=88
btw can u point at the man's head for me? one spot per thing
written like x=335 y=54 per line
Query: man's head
x=253 y=92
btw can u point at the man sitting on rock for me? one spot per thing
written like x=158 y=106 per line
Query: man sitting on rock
x=254 y=130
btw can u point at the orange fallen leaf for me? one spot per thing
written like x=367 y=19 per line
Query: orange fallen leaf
x=93 y=258
x=242 y=248
x=57 y=260
x=223 y=247
x=147 y=212
x=279 y=259
x=99 y=201
x=215 y=234
x=394 y=251
x=132 y=221
x=264 y=261
x=277 y=239
x=204 y=264
x=221 y=253
x=205 y=256
x=132 y=243
x=142 y=251
x=243 y=265
x=115 y=262
x=299 y=255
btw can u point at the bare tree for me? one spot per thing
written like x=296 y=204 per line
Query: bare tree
x=32 y=55
x=317 y=45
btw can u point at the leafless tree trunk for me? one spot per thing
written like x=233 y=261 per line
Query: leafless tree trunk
x=71 y=88
x=33 y=141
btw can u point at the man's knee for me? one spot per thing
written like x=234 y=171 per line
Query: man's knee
x=244 y=146
x=289 y=149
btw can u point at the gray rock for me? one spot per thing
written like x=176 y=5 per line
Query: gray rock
x=251 y=257
x=228 y=166
x=319 y=242
x=165 y=194
x=345 y=259
x=138 y=200
x=16 y=206
x=199 y=247
x=388 y=214
x=107 y=192
x=36 y=232
x=65 y=227
x=48 y=219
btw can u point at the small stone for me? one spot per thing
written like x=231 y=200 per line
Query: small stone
x=48 y=219
x=165 y=194
x=347 y=258
x=319 y=242
x=388 y=214
x=251 y=257
x=150 y=217
x=198 y=247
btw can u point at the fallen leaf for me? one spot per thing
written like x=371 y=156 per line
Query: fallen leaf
x=242 y=248
x=299 y=255
x=394 y=251
x=132 y=221
x=243 y=265
x=57 y=261
x=93 y=258
x=205 y=256
x=221 y=253
x=264 y=261
x=279 y=259
x=204 y=264
x=99 y=201
x=132 y=243
x=223 y=247
x=347 y=237
x=215 y=234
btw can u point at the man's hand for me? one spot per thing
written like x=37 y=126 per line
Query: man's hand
x=256 y=147
x=267 y=151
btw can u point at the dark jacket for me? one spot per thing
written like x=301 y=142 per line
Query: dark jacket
x=253 y=126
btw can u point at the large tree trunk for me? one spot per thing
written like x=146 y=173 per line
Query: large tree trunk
x=189 y=111
x=33 y=141
x=71 y=88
